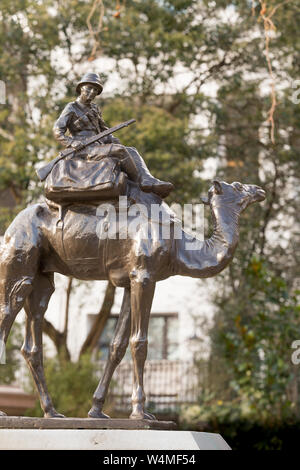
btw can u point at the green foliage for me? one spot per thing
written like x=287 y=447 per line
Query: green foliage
x=163 y=140
x=71 y=386
x=250 y=375
x=257 y=302
x=240 y=433
x=256 y=336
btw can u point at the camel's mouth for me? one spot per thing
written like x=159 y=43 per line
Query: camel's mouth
x=256 y=192
x=260 y=194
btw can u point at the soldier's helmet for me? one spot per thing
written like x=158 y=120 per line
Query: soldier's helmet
x=92 y=79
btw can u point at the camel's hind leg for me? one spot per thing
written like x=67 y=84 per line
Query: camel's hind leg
x=13 y=292
x=35 y=307
x=6 y=321
x=116 y=353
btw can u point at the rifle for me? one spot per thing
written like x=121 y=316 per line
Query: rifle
x=45 y=170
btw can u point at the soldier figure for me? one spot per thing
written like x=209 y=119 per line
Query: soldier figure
x=83 y=119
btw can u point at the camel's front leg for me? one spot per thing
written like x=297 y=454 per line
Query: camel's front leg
x=142 y=291
x=116 y=353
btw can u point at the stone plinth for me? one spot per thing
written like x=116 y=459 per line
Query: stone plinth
x=98 y=434
x=16 y=422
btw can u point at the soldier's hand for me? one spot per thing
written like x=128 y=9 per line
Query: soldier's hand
x=77 y=145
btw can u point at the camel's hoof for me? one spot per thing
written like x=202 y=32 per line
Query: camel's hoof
x=2 y=413
x=142 y=415
x=53 y=414
x=94 y=413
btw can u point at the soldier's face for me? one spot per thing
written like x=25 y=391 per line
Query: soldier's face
x=88 y=93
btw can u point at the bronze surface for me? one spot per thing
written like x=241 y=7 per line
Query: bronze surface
x=41 y=241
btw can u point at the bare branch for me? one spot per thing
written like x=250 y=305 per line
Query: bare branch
x=58 y=339
x=269 y=210
x=68 y=294
x=100 y=321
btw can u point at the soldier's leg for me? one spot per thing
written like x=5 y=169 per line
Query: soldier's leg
x=127 y=163
x=130 y=157
x=140 y=163
x=133 y=165
x=119 y=153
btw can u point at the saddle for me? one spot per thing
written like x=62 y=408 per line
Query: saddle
x=79 y=180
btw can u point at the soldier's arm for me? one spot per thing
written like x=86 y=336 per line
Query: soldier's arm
x=103 y=126
x=61 y=126
x=110 y=139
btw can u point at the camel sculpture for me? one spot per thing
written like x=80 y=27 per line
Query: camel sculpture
x=41 y=240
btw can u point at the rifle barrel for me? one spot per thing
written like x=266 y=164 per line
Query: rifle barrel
x=45 y=170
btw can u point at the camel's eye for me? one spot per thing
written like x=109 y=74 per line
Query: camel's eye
x=238 y=186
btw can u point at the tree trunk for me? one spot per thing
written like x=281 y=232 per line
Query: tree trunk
x=100 y=321
x=60 y=338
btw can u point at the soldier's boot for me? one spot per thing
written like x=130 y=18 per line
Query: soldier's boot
x=133 y=164
x=147 y=182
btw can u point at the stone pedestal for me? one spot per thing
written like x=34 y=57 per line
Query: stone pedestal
x=98 y=434
x=22 y=422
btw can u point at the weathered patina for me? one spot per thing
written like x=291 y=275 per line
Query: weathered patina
x=43 y=240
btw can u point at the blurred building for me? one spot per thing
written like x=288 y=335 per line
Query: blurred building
x=14 y=401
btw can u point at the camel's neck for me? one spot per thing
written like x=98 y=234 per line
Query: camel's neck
x=211 y=256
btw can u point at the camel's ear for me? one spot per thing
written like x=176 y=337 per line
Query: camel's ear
x=205 y=200
x=218 y=187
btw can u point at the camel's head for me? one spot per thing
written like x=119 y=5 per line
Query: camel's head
x=236 y=195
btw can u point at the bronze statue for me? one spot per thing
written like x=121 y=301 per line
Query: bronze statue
x=44 y=239
x=45 y=170
x=84 y=174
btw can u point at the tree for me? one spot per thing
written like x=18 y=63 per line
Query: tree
x=257 y=303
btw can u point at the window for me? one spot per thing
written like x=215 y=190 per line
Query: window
x=162 y=337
